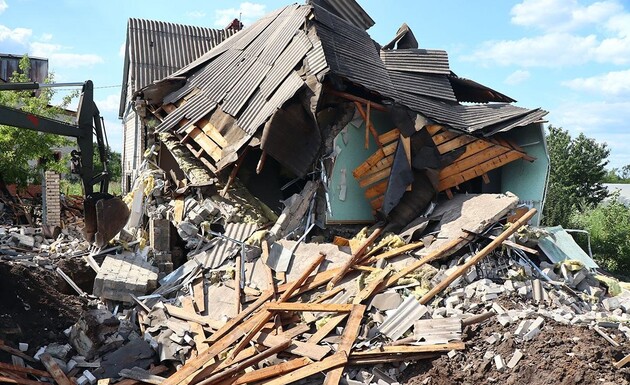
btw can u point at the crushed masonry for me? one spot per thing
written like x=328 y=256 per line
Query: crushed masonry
x=313 y=208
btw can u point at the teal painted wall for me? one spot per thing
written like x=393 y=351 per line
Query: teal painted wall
x=528 y=180
x=355 y=208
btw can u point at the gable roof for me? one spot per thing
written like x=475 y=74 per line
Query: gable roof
x=156 y=49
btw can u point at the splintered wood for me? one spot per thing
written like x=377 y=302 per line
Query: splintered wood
x=276 y=324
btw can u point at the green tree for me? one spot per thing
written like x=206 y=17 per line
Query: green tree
x=578 y=169
x=609 y=226
x=114 y=165
x=18 y=146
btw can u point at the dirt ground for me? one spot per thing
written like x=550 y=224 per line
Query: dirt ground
x=559 y=355
x=36 y=305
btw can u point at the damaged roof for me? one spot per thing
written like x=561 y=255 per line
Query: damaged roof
x=156 y=49
x=251 y=75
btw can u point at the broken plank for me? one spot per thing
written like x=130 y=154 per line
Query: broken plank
x=397 y=251
x=318 y=307
x=374 y=159
x=204 y=142
x=478 y=170
x=623 y=362
x=55 y=371
x=389 y=136
x=408 y=349
x=331 y=362
x=455 y=143
x=141 y=375
x=477 y=257
x=376 y=360
x=443 y=137
x=19 y=381
x=328 y=294
x=272 y=371
x=350 y=333
x=214 y=134
x=22 y=369
x=198 y=333
x=154 y=370
x=303 y=349
x=434 y=128
x=376 y=190
x=199 y=295
x=326 y=328
x=375 y=177
x=15 y=352
x=191 y=316
x=356 y=256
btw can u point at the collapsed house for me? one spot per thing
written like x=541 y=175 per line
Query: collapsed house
x=244 y=259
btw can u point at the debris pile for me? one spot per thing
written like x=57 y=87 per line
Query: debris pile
x=266 y=272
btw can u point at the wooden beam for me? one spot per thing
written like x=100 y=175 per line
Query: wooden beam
x=368 y=124
x=478 y=170
x=272 y=371
x=22 y=369
x=354 y=258
x=444 y=136
x=389 y=136
x=409 y=349
x=355 y=98
x=338 y=359
x=326 y=328
x=397 y=251
x=371 y=287
x=465 y=163
x=348 y=337
x=376 y=190
x=55 y=371
x=191 y=316
x=373 y=159
x=199 y=295
x=455 y=143
x=329 y=294
x=623 y=362
x=315 y=307
x=199 y=334
x=266 y=315
x=477 y=257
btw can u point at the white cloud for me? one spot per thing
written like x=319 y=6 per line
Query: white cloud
x=247 y=12
x=60 y=59
x=109 y=104
x=196 y=14
x=3 y=6
x=573 y=34
x=562 y=15
x=46 y=37
x=615 y=83
x=517 y=77
x=18 y=35
x=552 y=50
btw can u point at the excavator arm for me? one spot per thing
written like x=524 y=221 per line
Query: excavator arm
x=104 y=214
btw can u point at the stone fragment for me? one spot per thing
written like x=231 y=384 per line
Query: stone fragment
x=516 y=357
x=611 y=303
x=498 y=362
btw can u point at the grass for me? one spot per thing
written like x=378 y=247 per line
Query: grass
x=76 y=188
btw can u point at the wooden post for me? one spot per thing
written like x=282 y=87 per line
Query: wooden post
x=478 y=257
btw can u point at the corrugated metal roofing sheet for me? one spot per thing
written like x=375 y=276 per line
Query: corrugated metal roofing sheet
x=400 y=320
x=156 y=49
x=348 y=10
x=417 y=60
x=436 y=86
x=223 y=248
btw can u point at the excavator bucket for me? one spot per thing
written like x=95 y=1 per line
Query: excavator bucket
x=104 y=216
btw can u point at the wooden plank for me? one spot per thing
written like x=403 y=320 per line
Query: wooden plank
x=331 y=362
x=154 y=370
x=15 y=352
x=368 y=123
x=375 y=177
x=266 y=315
x=22 y=369
x=199 y=295
x=272 y=371
x=191 y=316
x=383 y=164
x=326 y=328
x=238 y=280
x=464 y=164
x=214 y=134
x=354 y=258
x=247 y=363
x=348 y=337
x=478 y=170
x=409 y=349
x=271 y=283
x=477 y=257
x=397 y=251
x=474 y=148
x=199 y=334
x=377 y=360
x=141 y=375
x=376 y=190
x=623 y=362
x=455 y=143
x=328 y=294
x=317 y=307
x=204 y=142
x=18 y=380
x=389 y=136
x=303 y=349
x=443 y=137
x=55 y=371
x=377 y=203
x=434 y=128
x=374 y=159
x=354 y=98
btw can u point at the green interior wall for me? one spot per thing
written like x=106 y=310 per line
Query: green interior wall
x=528 y=180
x=355 y=208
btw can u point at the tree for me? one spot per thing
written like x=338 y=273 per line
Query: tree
x=576 y=177
x=19 y=146
x=114 y=165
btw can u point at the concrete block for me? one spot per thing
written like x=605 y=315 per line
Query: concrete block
x=82 y=381
x=498 y=362
x=611 y=303
x=534 y=329
x=90 y=377
x=516 y=357
x=509 y=286
x=522 y=328
x=452 y=354
x=23 y=346
x=504 y=319
x=488 y=355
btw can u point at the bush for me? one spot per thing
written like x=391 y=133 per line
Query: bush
x=609 y=226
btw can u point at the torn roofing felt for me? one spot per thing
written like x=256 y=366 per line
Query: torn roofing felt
x=233 y=90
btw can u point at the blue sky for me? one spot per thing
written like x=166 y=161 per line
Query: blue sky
x=570 y=57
